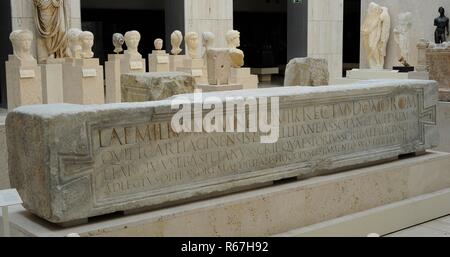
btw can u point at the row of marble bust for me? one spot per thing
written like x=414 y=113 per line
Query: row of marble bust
x=80 y=44
x=132 y=38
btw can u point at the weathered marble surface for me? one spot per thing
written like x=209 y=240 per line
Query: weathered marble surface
x=154 y=86
x=4 y=178
x=438 y=63
x=74 y=162
x=307 y=72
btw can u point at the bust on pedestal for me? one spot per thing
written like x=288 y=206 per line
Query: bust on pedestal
x=192 y=63
x=176 y=60
x=83 y=77
x=23 y=75
x=113 y=71
x=158 y=60
x=132 y=61
x=239 y=75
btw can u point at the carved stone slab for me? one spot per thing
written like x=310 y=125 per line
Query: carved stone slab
x=154 y=86
x=70 y=162
x=438 y=62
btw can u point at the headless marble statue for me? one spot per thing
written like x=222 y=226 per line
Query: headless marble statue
x=52 y=26
x=401 y=35
x=442 y=27
x=375 y=31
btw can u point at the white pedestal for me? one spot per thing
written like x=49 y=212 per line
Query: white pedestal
x=244 y=77
x=277 y=209
x=52 y=81
x=112 y=75
x=132 y=64
x=193 y=67
x=83 y=81
x=23 y=82
x=175 y=62
x=158 y=61
x=365 y=74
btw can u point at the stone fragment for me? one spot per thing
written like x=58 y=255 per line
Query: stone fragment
x=218 y=61
x=73 y=162
x=307 y=72
x=154 y=86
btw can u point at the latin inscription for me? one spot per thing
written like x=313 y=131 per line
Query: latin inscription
x=148 y=157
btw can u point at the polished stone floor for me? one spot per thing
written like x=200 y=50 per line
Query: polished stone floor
x=436 y=228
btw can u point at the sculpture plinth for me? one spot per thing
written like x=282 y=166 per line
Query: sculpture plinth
x=438 y=63
x=158 y=61
x=132 y=63
x=112 y=75
x=23 y=80
x=83 y=81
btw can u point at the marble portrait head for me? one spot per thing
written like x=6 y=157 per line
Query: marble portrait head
x=132 y=39
x=118 y=41
x=208 y=39
x=87 y=42
x=233 y=38
x=175 y=39
x=158 y=43
x=22 y=43
x=74 y=43
x=192 y=44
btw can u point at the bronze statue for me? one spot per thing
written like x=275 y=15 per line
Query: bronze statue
x=442 y=24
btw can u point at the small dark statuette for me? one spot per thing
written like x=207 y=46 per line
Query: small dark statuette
x=442 y=24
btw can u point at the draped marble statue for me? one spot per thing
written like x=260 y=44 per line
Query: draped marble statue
x=376 y=31
x=51 y=19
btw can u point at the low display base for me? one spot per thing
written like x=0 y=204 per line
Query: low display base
x=403 y=69
x=278 y=209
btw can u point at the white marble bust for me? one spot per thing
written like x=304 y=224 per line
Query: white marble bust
x=401 y=34
x=118 y=41
x=376 y=31
x=192 y=44
x=74 y=50
x=87 y=42
x=176 y=39
x=158 y=44
x=236 y=55
x=22 y=41
x=132 y=39
x=208 y=39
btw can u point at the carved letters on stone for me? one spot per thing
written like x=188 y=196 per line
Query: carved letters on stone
x=107 y=159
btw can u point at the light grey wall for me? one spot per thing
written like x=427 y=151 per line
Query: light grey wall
x=297 y=31
x=423 y=11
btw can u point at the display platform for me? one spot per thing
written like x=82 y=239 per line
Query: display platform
x=277 y=209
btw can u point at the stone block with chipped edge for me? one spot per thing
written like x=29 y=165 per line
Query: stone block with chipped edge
x=72 y=162
x=154 y=86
